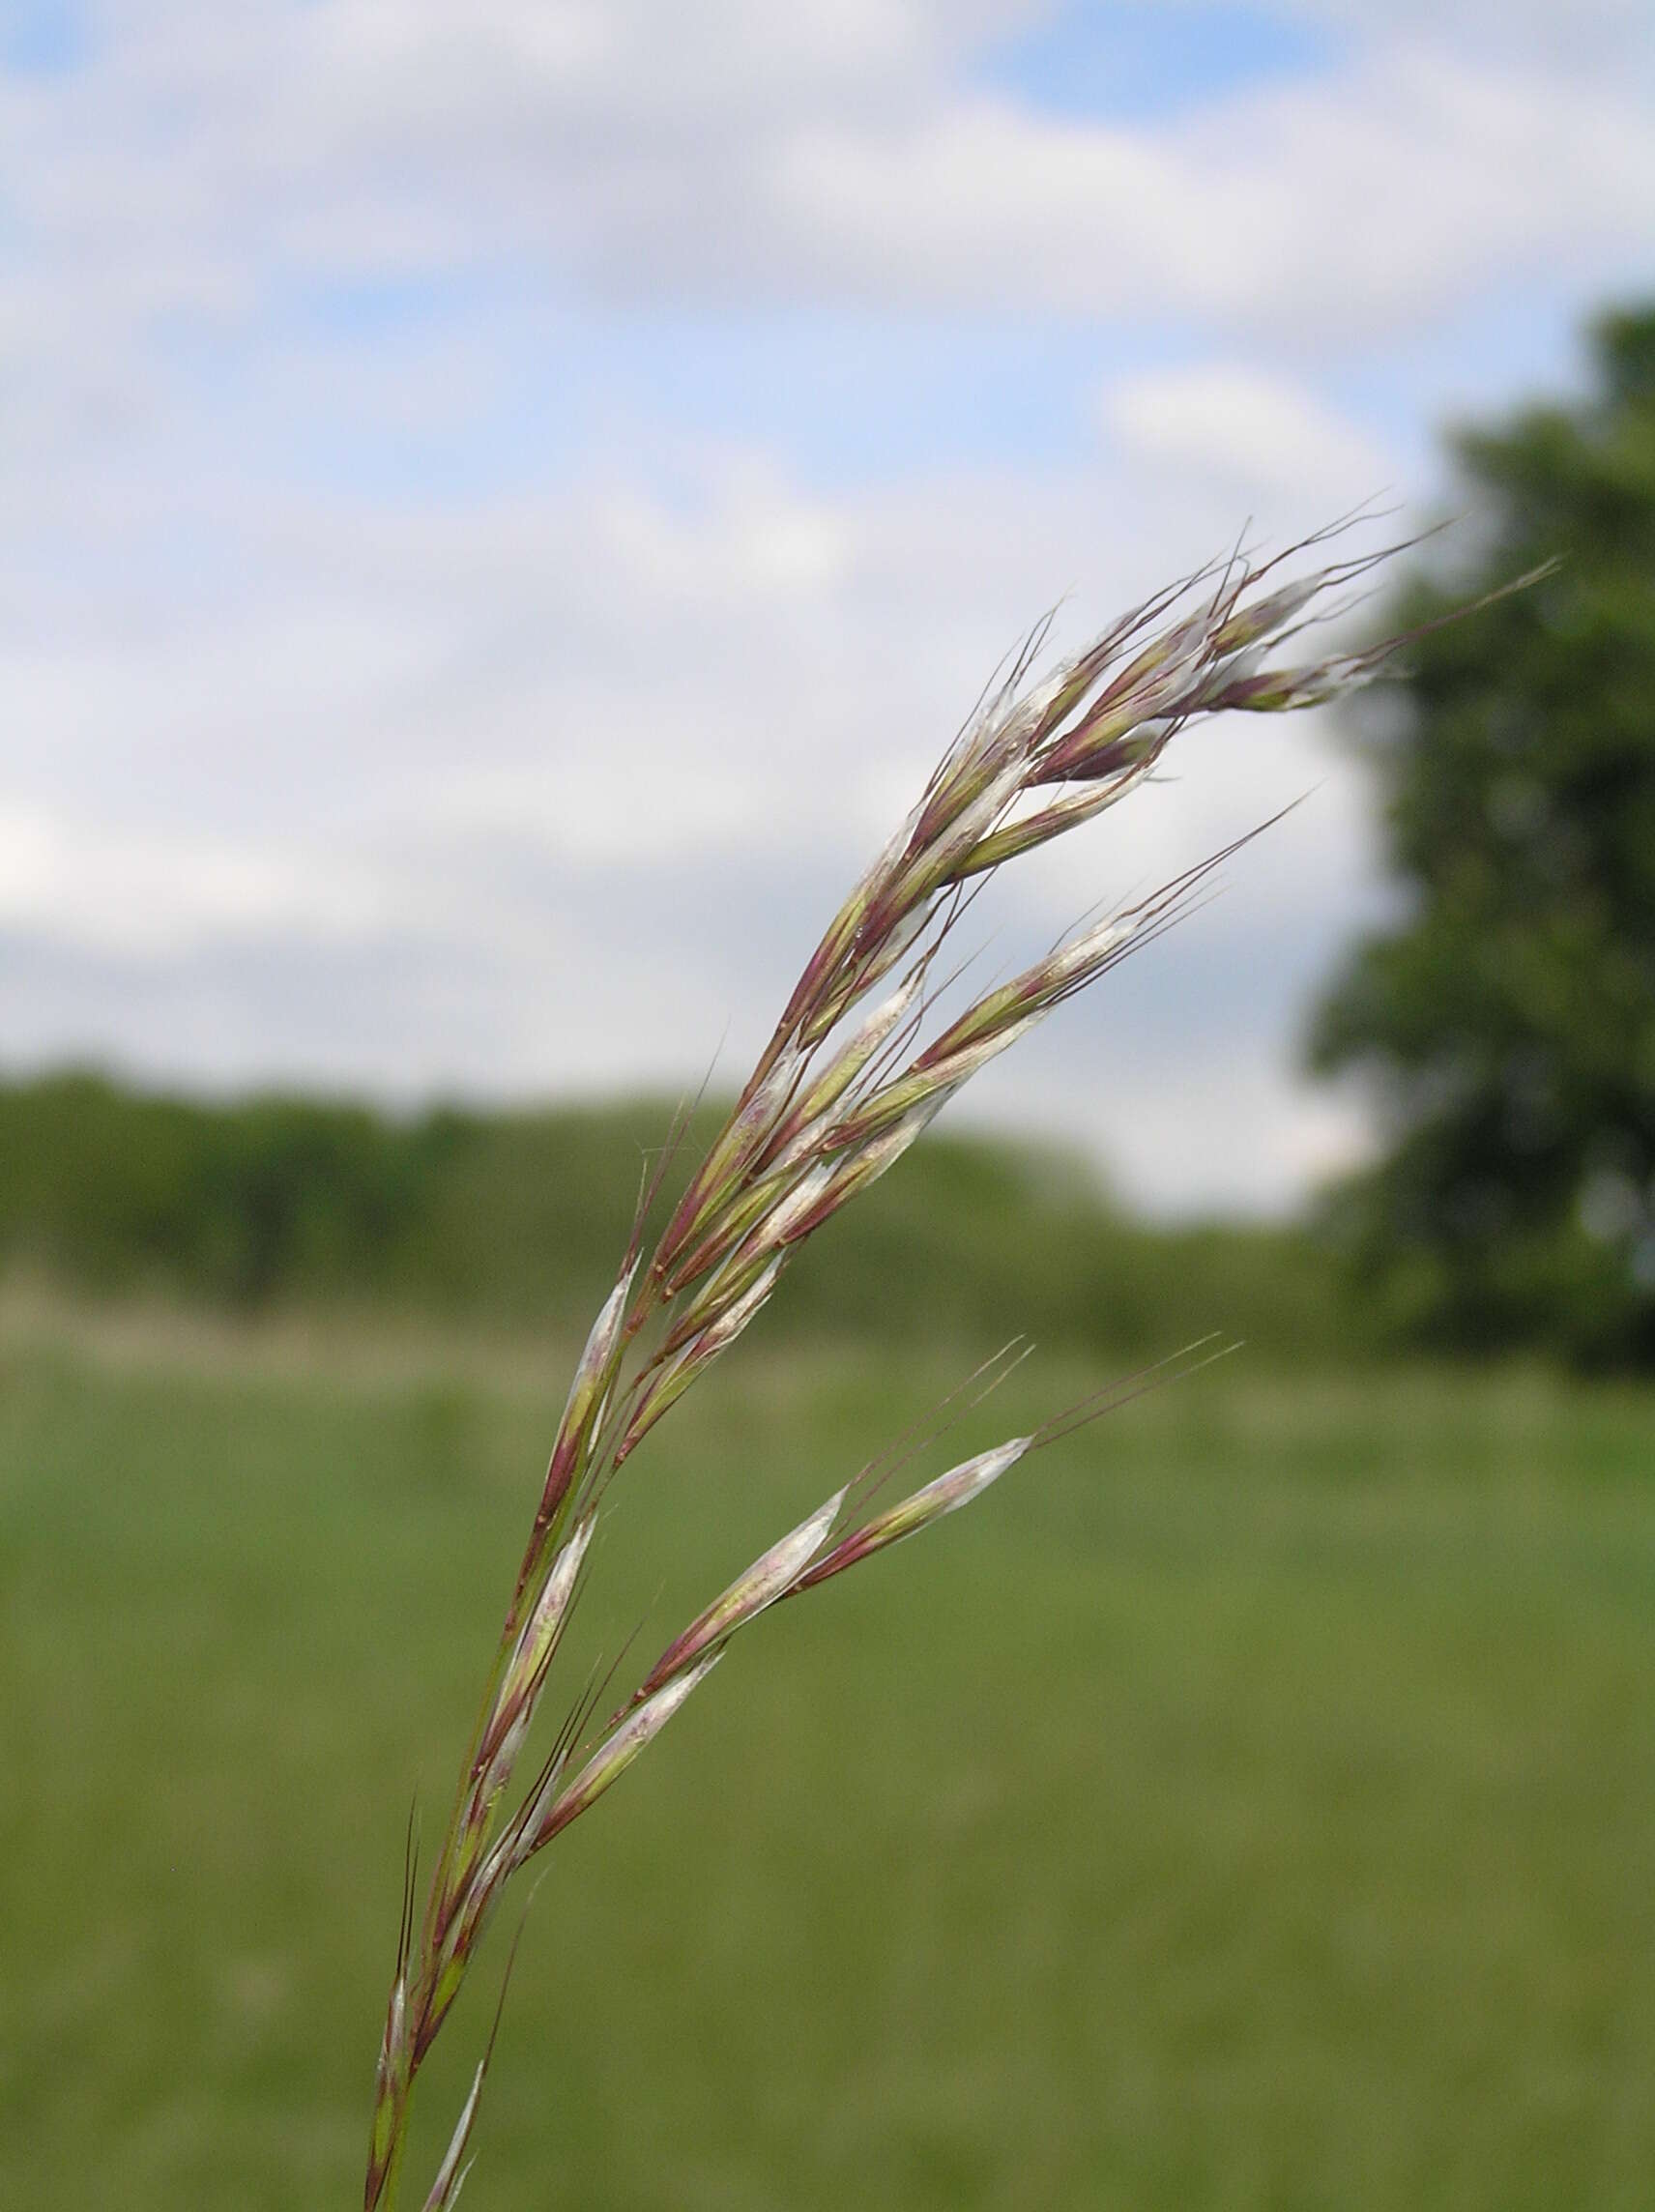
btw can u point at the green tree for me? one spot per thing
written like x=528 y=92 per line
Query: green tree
x=1507 y=1019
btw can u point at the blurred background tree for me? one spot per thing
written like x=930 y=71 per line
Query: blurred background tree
x=1507 y=1019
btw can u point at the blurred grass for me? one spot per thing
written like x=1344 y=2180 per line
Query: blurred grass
x=1251 y=1804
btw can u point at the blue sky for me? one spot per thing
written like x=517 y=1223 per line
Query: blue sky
x=504 y=500
x=1146 y=63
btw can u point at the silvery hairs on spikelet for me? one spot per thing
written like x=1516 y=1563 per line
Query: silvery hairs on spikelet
x=845 y=1084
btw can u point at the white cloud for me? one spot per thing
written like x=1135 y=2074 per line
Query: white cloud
x=152 y=898
x=1585 y=37
x=815 y=151
x=1325 y=209
x=1254 y=432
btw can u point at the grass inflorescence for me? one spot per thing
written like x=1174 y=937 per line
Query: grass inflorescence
x=860 y=1064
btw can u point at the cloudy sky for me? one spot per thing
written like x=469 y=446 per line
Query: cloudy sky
x=503 y=499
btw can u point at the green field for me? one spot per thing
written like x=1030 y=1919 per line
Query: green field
x=1251 y=1804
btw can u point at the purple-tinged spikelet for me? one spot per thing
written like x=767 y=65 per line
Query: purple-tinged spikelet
x=944 y=1496
x=768 y=1578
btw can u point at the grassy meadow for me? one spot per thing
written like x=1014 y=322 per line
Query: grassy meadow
x=1249 y=1804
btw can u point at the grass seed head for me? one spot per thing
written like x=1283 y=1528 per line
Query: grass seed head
x=832 y=1103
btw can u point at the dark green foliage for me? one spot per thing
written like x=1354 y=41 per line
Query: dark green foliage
x=1510 y=1016
x=521 y=1219
x=279 y=1200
